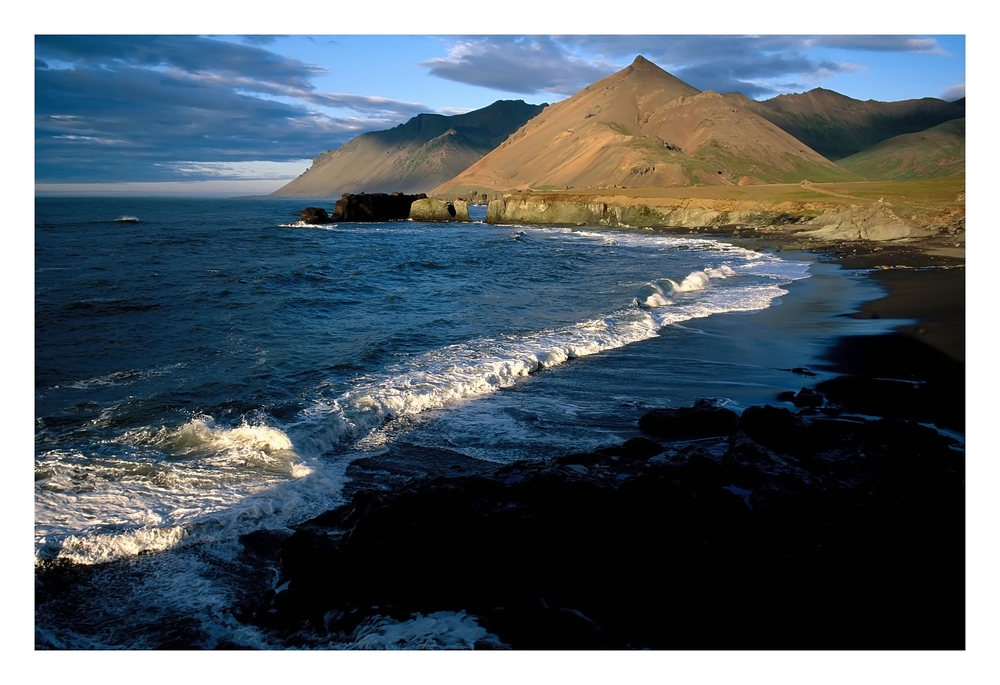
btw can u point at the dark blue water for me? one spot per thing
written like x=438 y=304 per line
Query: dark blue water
x=213 y=368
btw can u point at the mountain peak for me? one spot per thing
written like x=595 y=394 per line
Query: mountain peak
x=646 y=75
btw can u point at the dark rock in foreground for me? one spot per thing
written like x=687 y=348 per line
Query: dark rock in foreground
x=703 y=420
x=787 y=533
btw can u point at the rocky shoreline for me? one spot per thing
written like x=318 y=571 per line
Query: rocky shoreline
x=772 y=530
x=817 y=222
x=832 y=518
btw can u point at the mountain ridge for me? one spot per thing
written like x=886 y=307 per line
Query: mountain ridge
x=642 y=126
x=838 y=126
x=413 y=156
x=932 y=153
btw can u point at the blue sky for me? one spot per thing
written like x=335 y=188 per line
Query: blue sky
x=231 y=113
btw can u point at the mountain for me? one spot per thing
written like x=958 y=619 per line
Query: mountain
x=837 y=126
x=412 y=157
x=938 y=151
x=644 y=127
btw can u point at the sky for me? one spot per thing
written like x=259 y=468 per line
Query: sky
x=233 y=114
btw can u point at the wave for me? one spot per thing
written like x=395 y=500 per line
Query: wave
x=658 y=293
x=443 y=377
x=216 y=480
x=303 y=224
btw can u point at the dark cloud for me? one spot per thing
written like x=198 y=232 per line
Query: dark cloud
x=365 y=103
x=524 y=65
x=746 y=76
x=127 y=108
x=259 y=40
x=191 y=54
x=686 y=49
x=879 y=43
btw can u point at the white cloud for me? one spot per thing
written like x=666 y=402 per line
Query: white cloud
x=246 y=171
x=956 y=92
x=162 y=189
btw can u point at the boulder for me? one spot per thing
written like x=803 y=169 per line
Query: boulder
x=808 y=398
x=433 y=209
x=314 y=215
x=702 y=420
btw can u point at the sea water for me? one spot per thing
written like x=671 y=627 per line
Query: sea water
x=209 y=368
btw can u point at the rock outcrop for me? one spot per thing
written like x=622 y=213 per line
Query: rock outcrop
x=362 y=207
x=547 y=209
x=314 y=215
x=863 y=222
x=793 y=521
x=434 y=209
x=815 y=221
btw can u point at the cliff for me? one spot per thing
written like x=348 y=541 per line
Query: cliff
x=809 y=212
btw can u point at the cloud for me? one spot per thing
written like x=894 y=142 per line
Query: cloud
x=754 y=65
x=756 y=77
x=192 y=54
x=259 y=40
x=954 y=93
x=246 y=171
x=524 y=65
x=127 y=108
x=927 y=46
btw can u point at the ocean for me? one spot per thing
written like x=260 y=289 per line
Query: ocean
x=206 y=368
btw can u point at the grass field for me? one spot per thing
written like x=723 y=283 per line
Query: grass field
x=931 y=192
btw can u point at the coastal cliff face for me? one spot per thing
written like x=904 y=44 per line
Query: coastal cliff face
x=434 y=209
x=822 y=221
x=602 y=212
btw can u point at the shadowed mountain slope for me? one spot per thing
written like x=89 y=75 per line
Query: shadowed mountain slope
x=837 y=126
x=643 y=127
x=411 y=157
x=938 y=151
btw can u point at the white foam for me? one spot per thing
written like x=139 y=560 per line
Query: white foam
x=696 y=280
x=303 y=224
x=216 y=481
x=656 y=300
x=442 y=377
